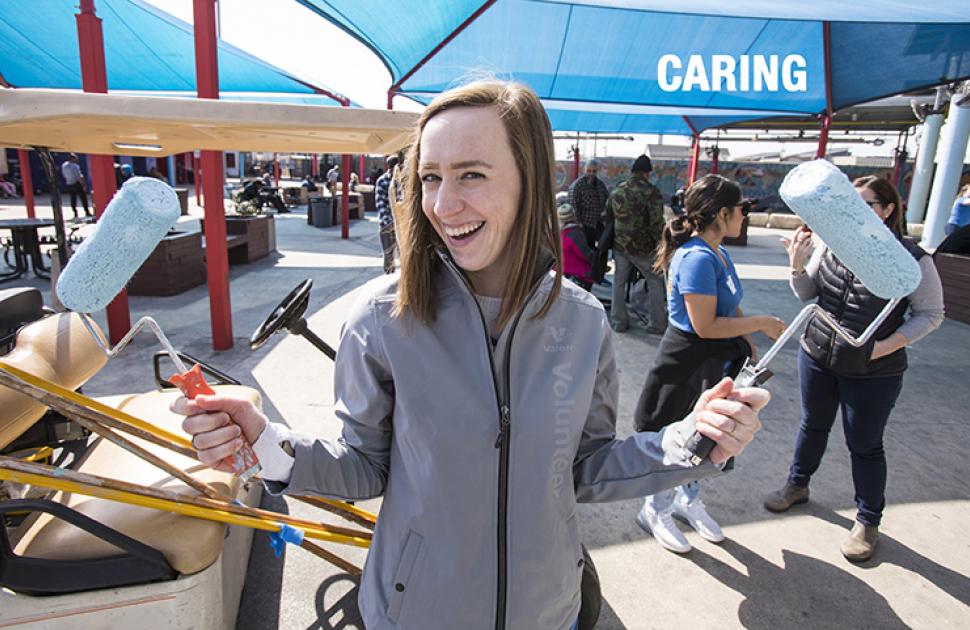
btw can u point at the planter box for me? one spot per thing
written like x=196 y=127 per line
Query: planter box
x=176 y=265
x=355 y=207
x=954 y=272
x=370 y=202
x=256 y=241
x=248 y=238
x=783 y=221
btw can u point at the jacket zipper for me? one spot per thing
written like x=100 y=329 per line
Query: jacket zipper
x=501 y=443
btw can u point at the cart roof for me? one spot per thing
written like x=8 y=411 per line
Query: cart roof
x=160 y=126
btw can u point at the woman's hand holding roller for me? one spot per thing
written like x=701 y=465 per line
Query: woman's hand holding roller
x=729 y=416
x=218 y=425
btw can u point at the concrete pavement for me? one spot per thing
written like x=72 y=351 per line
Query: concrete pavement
x=774 y=571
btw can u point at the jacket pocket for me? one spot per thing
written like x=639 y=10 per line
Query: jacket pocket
x=403 y=575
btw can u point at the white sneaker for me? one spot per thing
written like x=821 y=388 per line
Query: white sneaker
x=663 y=528
x=695 y=515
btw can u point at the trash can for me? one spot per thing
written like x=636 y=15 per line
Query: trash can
x=320 y=212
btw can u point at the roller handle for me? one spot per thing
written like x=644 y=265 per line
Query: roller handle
x=243 y=462
x=699 y=445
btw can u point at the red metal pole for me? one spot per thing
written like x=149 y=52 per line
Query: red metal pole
x=217 y=258
x=94 y=78
x=823 y=136
x=390 y=99
x=26 y=182
x=197 y=179
x=715 y=160
x=576 y=160
x=694 y=160
x=899 y=158
x=276 y=169
x=345 y=196
x=361 y=163
x=316 y=166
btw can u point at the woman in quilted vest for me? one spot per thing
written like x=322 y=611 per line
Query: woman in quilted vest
x=865 y=382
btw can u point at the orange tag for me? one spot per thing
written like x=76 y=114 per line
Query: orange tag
x=244 y=462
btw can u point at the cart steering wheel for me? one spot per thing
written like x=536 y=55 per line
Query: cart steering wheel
x=289 y=312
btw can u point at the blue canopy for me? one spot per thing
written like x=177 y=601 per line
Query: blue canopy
x=145 y=50
x=597 y=63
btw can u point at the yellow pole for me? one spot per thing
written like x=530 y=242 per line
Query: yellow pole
x=167 y=505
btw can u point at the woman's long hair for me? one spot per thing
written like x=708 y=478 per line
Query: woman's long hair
x=704 y=199
x=886 y=194
x=536 y=226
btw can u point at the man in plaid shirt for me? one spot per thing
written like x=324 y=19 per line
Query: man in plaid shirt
x=587 y=195
x=385 y=215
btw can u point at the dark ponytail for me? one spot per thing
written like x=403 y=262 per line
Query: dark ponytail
x=675 y=233
x=704 y=199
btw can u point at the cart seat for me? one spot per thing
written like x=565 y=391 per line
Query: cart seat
x=58 y=348
x=18 y=306
x=188 y=544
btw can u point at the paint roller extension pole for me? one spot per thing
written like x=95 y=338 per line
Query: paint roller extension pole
x=826 y=200
x=700 y=446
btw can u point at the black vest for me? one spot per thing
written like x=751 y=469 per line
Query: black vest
x=849 y=303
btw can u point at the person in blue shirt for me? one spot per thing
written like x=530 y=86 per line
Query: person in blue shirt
x=960 y=214
x=707 y=337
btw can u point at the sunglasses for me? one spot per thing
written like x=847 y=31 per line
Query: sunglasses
x=745 y=207
x=873 y=204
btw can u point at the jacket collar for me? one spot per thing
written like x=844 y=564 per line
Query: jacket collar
x=455 y=281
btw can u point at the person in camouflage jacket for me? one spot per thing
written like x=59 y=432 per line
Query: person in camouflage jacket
x=636 y=209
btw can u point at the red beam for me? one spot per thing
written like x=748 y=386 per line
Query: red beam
x=715 y=159
x=316 y=166
x=26 y=182
x=340 y=98
x=276 y=169
x=390 y=99
x=94 y=78
x=823 y=136
x=694 y=160
x=345 y=196
x=576 y=161
x=217 y=258
x=474 y=16
x=197 y=179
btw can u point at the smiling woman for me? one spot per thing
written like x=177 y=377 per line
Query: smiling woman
x=484 y=164
x=478 y=393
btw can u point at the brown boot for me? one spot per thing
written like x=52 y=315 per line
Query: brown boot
x=788 y=496
x=861 y=543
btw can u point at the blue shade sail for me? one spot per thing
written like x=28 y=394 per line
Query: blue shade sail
x=753 y=55
x=145 y=49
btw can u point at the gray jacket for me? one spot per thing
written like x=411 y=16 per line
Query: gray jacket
x=481 y=454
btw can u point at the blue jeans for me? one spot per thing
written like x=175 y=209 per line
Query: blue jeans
x=685 y=494
x=866 y=404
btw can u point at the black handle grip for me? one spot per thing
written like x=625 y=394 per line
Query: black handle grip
x=700 y=446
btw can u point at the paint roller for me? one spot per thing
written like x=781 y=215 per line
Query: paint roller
x=826 y=200
x=137 y=218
